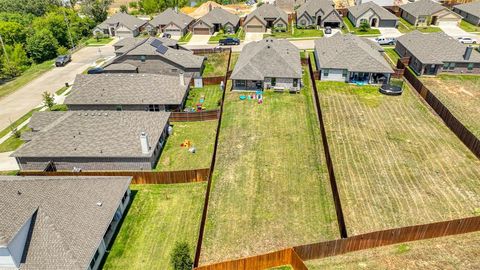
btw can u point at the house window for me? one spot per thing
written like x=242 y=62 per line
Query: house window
x=325 y=72
x=94 y=259
x=280 y=25
x=154 y=108
x=363 y=21
x=470 y=66
x=118 y=108
x=124 y=197
x=445 y=65
x=344 y=74
x=143 y=58
x=295 y=82
x=240 y=83
x=303 y=22
x=452 y=66
x=274 y=81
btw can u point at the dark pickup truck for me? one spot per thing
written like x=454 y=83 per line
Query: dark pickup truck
x=229 y=41
x=62 y=60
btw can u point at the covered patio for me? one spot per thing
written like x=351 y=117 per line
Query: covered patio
x=369 y=78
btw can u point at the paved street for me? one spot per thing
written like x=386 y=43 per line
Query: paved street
x=28 y=97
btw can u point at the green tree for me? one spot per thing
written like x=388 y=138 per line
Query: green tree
x=364 y=26
x=23 y=19
x=151 y=6
x=42 y=46
x=12 y=32
x=180 y=257
x=16 y=62
x=48 y=100
x=124 y=9
x=36 y=7
x=133 y=5
x=96 y=9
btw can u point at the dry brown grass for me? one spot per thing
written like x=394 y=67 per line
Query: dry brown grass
x=396 y=163
x=452 y=252
x=461 y=95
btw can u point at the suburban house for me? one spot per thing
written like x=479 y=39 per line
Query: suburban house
x=265 y=17
x=93 y=140
x=382 y=3
x=447 y=55
x=121 y=25
x=155 y=55
x=172 y=22
x=470 y=12
x=428 y=12
x=288 y=6
x=214 y=20
x=59 y=222
x=129 y=92
x=318 y=13
x=268 y=64
x=350 y=58
x=373 y=14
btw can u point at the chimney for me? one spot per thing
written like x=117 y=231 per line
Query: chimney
x=182 y=78
x=209 y=7
x=144 y=143
x=468 y=53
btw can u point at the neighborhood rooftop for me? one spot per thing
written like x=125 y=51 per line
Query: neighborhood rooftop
x=312 y=6
x=220 y=16
x=268 y=58
x=132 y=88
x=94 y=134
x=268 y=11
x=171 y=16
x=471 y=8
x=129 y=21
x=422 y=7
x=359 y=10
x=352 y=53
x=446 y=49
x=65 y=217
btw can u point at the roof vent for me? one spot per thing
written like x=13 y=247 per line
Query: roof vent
x=19 y=192
x=99 y=203
x=468 y=53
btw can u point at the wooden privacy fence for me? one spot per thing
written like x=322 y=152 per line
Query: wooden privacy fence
x=194 y=116
x=260 y=262
x=210 y=50
x=465 y=135
x=138 y=177
x=387 y=237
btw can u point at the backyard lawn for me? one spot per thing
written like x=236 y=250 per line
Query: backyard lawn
x=297 y=33
x=29 y=75
x=216 y=64
x=201 y=134
x=270 y=186
x=357 y=31
x=461 y=95
x=396 y=163
x=406 y=27
x=392 y=55
x=468 y=27
x=12 y=143
x=240 y=34
x=159 y=216
x=233 y=60
x=185 y=38
x=211 y=95
x=452 y=252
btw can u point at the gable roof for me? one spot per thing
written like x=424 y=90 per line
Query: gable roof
x=382 y=13
x=219 y=16
x=129 y=43
x=95 y=134
x=267 y=11
x=268 y=58
x=135 y=88
x=422 y=7
x=350 y=52
x=446 y=48
x=289 y=5
x=129 y=21
x=311 y=7
x=470 y=8
x=171 y=16
x=68 y=224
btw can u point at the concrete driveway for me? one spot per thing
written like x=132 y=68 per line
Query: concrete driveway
x=8 y=163
x=390 y=32
x=454 y=31
x=249 y=37
x=29 y=96
x=197 y=40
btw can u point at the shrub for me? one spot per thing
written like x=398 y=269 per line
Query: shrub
x=42 y=46
x=180 y=257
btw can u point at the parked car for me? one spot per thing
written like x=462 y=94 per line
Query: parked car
x=385 y=41
x=229 y=41
x=328 y=30
x=62 y=60
x=96 y=70
x=467 y=40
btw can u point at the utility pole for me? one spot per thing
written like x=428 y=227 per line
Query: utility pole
x=68 y=28
x=3 y=46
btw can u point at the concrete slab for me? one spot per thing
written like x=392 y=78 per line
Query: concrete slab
x=390 y=32
x=7 y=163
x=197 y=40
x=249 y=37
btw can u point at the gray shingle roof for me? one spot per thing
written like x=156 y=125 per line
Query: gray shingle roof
x=219 y=16
x=268 y=11
x=129 y=21
x=41 y=120
x=471 y=8
x=69 y=225
x=135 y=88
x=352 y=53
x=288 y=5
x=268 y=58
x=436 y=48
x=312 y=6
x=120 y=67
x=170 y=16
x=382 y=13
x=422 y=7
x=129 y=43
x=95 y=134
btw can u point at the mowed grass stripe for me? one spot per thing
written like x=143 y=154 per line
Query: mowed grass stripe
x=396 y=163
x=270 y=185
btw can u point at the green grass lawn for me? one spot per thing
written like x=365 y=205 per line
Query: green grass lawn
x=185 y=38
x=18 y=122
x=29 y=75
x=211 y=94
x=468 y=27
x=240 y=34
x=233 y=60
x=392 y=55
x=357 y=31
x=201 y=134
x=8 y=172
x=159 y=216
x=270 y=186
x=61 y=91
x=216 y=64
x=12 y=143
x=93 y=41
x=406 y=27
x=297 y=33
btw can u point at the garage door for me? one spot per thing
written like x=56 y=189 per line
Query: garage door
x=331 y=24
x=201 y=31
x=255 y=28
